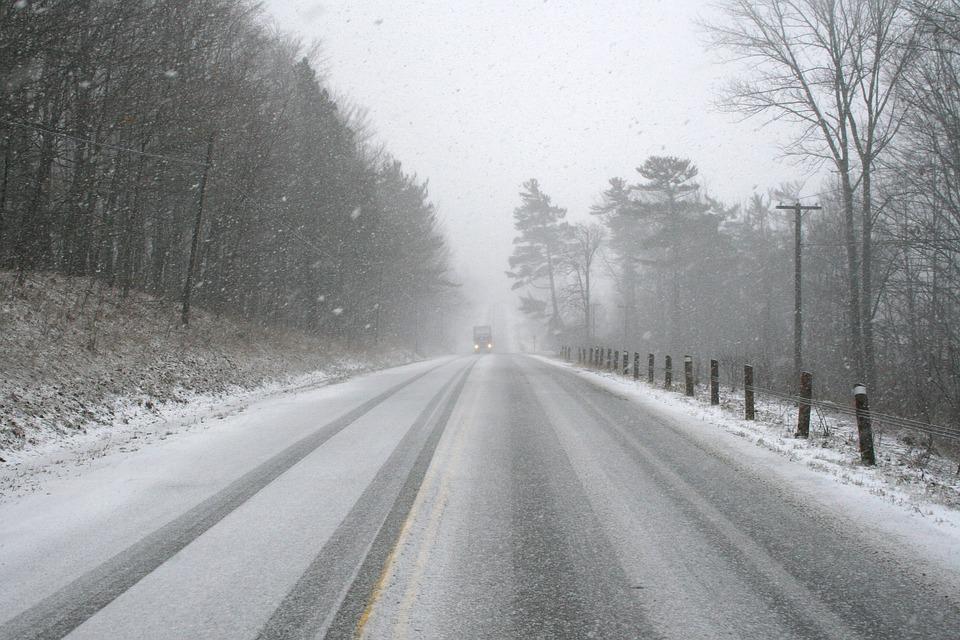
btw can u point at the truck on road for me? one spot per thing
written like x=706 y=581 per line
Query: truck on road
x=482 y=339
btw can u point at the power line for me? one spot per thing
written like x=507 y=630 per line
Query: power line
x=33 y=126
x=26 y=125
x=293 y=232
x=113 y=147
x=817 y=195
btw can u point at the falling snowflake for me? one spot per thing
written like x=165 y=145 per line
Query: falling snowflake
x=171 y=73
x=338 y=311
x=355 y=213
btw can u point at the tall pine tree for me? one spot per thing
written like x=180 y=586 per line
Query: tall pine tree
x=538 y=247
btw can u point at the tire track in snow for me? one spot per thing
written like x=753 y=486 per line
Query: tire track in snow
x=330 y=597
x=569 y=582
x=60 y=613
x=819 y=577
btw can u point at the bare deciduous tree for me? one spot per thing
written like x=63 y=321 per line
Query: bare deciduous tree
x=833 y=67
x=581 y=252
x=105 y=113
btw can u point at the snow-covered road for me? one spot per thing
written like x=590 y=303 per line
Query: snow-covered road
x=495 y=496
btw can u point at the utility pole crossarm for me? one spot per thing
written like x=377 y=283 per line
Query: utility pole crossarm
x=801 y=207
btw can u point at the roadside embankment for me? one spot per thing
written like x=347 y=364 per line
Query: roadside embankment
x=76 y=355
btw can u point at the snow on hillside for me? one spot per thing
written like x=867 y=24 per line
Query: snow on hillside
x=76 y=356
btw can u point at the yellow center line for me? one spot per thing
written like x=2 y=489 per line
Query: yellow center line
x=432 y=532
x=389 y=565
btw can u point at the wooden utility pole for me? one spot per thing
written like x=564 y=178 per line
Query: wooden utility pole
x=714 y=382
x=798 y=210
x=864 y=426
x=3 y=189
x=806 y=395
x=749 y=409
x=195 y=243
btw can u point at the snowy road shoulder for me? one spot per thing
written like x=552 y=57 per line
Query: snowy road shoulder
x=111 y=503
x=897 y=520
x=38 y=469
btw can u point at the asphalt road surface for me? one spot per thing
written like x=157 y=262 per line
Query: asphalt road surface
x=478 y=497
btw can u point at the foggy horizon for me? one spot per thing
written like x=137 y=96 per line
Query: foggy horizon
x=478 y=99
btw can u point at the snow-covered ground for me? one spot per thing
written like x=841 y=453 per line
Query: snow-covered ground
x=89 y=510
x=911 y=505
x=28 y=470
x=530 y=467
x=83 y=367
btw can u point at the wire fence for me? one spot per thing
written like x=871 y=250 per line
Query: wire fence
x=941 y=431
x=582 y=354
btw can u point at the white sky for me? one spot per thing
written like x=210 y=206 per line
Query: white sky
x=480 y=96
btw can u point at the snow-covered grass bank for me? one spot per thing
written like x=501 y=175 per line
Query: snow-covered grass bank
x=908 y=476
x=81 y=365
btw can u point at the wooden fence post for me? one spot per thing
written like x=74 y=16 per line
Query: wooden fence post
x=714 y=382
x=688 y=374
x=609 y=358
x=864 y=426
x=650 y=362
x=749 y=412
x=803 y=414
x=616 y=360
x=667 y=372
x=626 y=362
x=636 y=365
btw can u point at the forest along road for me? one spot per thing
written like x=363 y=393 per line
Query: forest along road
x=480 y=497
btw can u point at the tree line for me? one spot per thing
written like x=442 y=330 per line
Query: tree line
x=189 y=150
x=873 y=86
